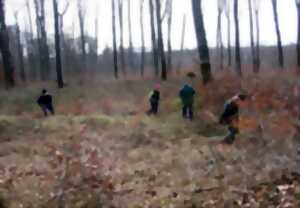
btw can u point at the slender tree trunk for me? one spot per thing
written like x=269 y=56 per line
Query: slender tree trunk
x=170 y=15
x=182 y=43
x=228 y=40
x=20 y=52
x=161 y=42
x=257 y=59
x=278 y=34
x=153 y=38
x=237 y=39
x=142 y=38
x=220 y=45
x=131 y=51
x=202 y=42
x=81 y=17
x=59 y=75
x=122 y=52
x=31 y=47
x=115 y=52
x=4 y=48
x=298 y=38
x=253 y=52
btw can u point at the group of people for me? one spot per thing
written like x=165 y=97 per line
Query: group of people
x=229 y=117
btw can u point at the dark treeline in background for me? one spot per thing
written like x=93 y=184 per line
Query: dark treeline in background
x=38 y=56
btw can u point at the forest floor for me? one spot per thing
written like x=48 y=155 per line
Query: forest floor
x=101 y=150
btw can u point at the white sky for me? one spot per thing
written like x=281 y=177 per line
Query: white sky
x=286 y=9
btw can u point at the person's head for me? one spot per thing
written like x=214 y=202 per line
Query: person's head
x=242 y=97
x=44 y=91
x=157 y=87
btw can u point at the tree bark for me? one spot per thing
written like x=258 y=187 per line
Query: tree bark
x=170 y=15
x=237 y=39
x=257 y=59
x=182 y=43
x=298 y=38
x=4 y=48
x=278 y=34
x=161 y=42
x=202 y=41
x=122 y=52
x=131 y=51
x=115 y=52
x=220 y=45
x=153 y=39
x=20 y=51
x=59 y=74
x=142 y=38
x=228 y=37
x=81 y=16
x=253 y=52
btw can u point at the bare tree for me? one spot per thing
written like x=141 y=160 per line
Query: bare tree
x=131 y=51
x=4 y=48
x=142 y=37
x=59 y=75
x=253 y=52
x=278 y=34
x=257 y=47
x=115 y=52
x=20 y=49
x=61 y=16
x=220 y=45
x=298 y=38
x=153 y=39
x=202 y=41
x=42 y=38
x=237 y=39
x=169 y=7
x=228 y=13
x=182 y=42
x=161 y=42
x=122 y=52
x=81 y=16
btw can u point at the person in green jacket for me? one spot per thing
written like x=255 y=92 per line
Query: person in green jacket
x=186 y=95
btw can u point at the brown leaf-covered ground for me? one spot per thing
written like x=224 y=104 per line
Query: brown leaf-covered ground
x=101 y=150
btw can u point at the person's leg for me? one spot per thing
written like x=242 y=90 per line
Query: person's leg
x=51 y=109
x=44 y=109
x=184 y=111
x=230 y=138
x=151 y=111
x=191 y=112
x=155 y=107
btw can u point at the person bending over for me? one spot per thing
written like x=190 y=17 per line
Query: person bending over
x=45 y=101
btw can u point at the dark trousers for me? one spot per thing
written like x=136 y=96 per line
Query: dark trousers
x=187 y=111
x=153 y=108
x=47 y=109
x=230 y=138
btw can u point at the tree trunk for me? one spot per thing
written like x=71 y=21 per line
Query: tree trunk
x=42 y=36
x=182 y=43
x=253 y=52
x=237 y=39
x=115 y=52
x=278 y=34
x=20 y=52
x=59 y=77
x=228 y=39
x=153 y=38
x=161 y=42
x=131 y=51
x=201 y=41
x=142 y=38
x=170 y=15
x=4 y=48
x=257 y=59
x=122 y=52
x=220 y=45
x=298 y=38
x=81 y=17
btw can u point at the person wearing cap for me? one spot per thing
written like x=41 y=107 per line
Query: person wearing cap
x=154 y=98
x=45 y=101
x=230 y=117
x=186 y=95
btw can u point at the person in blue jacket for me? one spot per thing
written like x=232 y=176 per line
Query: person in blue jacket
x=186 y=95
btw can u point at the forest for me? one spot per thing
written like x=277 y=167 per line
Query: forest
x=149 y=103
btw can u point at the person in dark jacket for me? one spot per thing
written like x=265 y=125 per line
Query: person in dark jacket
x=186 y=95
x=46 y=103
x=230 y=117
x=154 y=98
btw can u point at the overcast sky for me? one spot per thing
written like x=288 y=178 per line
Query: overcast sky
x=286 y=9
